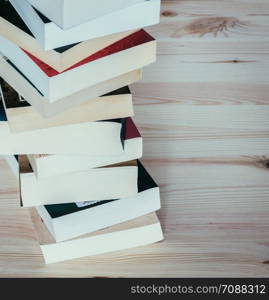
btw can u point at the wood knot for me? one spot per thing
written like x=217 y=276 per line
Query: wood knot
x=213 y=25
x=266 y=164
x=266 y=262
x=169 y=13
x=263 y=162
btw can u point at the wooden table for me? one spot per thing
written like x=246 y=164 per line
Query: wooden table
x=203 y=111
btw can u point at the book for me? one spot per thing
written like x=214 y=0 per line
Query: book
x=138 y=232
x=69 y=13
x=91 y=138
x=26 y=89
x=89 y=216
x=110 y=182
x=51 y=36
x=13 y=28
x=126 y=55
x=23 y=117
x=53 y=165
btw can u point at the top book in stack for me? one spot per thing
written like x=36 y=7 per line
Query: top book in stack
x=69 y=13
x=120 y=15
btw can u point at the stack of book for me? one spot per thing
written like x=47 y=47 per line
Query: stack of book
x=66 y=110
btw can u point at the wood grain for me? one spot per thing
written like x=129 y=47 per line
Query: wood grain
x=203 y=111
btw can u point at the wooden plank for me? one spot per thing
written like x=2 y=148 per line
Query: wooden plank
x=180 y=131
x=204 y=118
x=209 y=68
x=205 y=93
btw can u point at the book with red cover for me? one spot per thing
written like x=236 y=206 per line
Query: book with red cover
x=53 y=165
x=138 y=38
x=130 y=132
x=127 y=55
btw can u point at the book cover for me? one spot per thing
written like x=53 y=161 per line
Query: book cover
x=3 y=116
x=9 y=13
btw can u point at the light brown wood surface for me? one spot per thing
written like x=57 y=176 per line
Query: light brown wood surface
x=203 y=110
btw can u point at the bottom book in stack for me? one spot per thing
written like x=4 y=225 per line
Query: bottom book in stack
x=138 y=232
x=72 y=230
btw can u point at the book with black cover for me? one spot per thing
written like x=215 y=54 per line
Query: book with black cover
x=144 y=182
x=13 y=100
x=10 y=97
x=115 y=104
x=110 y=182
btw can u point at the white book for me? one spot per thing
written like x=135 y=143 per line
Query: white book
x=54 y=165
x=139 y=51
x=90 y=138
x=69 y=13
x=24 y=87
x=67 y=221
x=51 y=36
x=112 y=182
x=23 y=117
x=86 y=139
x=138 y=232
